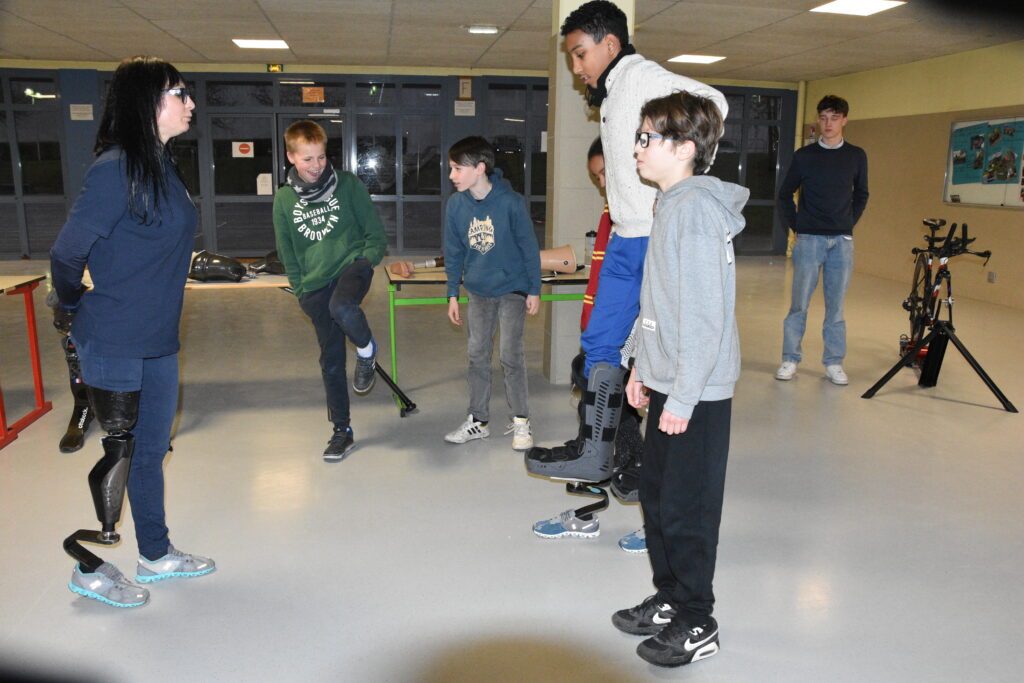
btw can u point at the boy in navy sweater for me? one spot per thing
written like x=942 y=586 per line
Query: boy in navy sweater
x=490 y=247
x=832 y=176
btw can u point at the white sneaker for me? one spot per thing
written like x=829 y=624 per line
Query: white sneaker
x=836 y=375
x=522 y=437
x=467 y=431
x=786 y=371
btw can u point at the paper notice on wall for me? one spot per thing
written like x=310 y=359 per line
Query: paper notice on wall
x=242 y=149
x=313 y=95
x=465 y=108
x=264 y=184
x=80 y=112
x=543 y=142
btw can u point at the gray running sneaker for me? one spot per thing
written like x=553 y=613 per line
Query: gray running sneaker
x=566 y=524
x=365 y=374
x=175 y=564
x=108 y=585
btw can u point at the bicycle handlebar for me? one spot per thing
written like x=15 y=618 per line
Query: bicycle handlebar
x=949 y=245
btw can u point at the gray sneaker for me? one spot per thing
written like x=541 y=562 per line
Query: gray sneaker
x=567 y=524
x=366 y=372
x=175 y=564
x=108 y=585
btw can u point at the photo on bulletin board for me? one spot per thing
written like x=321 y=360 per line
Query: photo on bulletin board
x=983 y=165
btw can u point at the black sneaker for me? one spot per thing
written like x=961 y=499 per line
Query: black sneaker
x=680 y=643
x=340 y=445
x=646 y=619
x=365 y=374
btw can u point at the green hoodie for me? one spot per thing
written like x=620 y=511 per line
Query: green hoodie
x=316 y=241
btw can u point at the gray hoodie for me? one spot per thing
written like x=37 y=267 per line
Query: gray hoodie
x=688 y=346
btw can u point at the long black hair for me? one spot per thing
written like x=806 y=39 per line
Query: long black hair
x=129 y=121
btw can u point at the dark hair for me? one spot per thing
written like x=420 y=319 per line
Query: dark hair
x=596 y=150
x=683 y=116
x=129 y=121
x=471 y=151
x=304 y=133
x=597 y=19
x=835 y=103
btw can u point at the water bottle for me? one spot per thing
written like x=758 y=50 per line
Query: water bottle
x=588 y=253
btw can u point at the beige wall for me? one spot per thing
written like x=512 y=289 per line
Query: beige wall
x=901 y=116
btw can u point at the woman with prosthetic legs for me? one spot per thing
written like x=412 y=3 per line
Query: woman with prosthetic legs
x=133 y=225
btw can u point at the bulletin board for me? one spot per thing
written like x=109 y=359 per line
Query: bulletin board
x=983 y=165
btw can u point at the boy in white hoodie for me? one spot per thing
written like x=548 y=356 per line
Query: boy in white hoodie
x=687 y=362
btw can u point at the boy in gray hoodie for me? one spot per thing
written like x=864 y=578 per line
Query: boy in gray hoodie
x=687 y=362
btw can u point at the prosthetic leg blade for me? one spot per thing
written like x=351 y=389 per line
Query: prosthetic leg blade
x=81 y=414
x=74 y=437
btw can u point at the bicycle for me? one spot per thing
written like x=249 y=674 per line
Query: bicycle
x=924 y=302
x=925 y=346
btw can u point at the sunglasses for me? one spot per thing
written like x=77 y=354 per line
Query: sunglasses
x=181 y=92
x=644 y=138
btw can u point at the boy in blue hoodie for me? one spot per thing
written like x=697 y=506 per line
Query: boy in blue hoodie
x=687 y=363
x=490 y=247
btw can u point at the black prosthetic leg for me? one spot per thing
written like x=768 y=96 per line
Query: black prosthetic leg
x=629 y=448
x=588 y=457
x=81 y=414
x=117 y=412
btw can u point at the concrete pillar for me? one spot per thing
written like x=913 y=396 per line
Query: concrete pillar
x=574 y=203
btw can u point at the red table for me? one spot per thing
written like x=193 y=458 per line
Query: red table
x=25 y=285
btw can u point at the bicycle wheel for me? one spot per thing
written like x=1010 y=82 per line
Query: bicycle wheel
x=919 y=303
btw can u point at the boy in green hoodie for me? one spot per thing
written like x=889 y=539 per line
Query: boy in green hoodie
x=329 y=238
x=687 y=363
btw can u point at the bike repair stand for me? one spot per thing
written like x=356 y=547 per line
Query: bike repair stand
x=935 y=341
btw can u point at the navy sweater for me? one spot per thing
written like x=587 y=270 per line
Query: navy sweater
x=489 y=244
x=138 y=270
x=833 y=187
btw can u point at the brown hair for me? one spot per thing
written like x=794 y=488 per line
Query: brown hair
x=472 y=151
x=304 y=132
x=682 y=116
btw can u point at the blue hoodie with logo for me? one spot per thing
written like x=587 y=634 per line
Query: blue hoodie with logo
x=489 y=243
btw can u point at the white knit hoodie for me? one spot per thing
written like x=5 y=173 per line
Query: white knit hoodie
x=631 y=84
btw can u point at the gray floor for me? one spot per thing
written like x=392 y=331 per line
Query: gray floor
x=862 y=540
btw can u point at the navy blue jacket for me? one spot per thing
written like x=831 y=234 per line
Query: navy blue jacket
x=489 y=244
x=138 y=271
x=833 y=187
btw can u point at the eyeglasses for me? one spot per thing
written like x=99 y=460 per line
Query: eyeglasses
x=181 y=92
x=644 y=138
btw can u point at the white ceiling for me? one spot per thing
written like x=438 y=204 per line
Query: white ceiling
x=762 y=39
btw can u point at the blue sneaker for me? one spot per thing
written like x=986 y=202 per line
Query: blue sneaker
x=634 y=542
x=566 y=524
x=175 y=564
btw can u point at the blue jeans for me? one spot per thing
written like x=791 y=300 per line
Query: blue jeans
x=486 y=314
x=617 y=302
x=833 y=256
x=157 y=380
x=336 y=314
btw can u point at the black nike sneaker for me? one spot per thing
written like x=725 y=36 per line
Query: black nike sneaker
x=340 y=445
x=646 y=619
x=680 y=643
